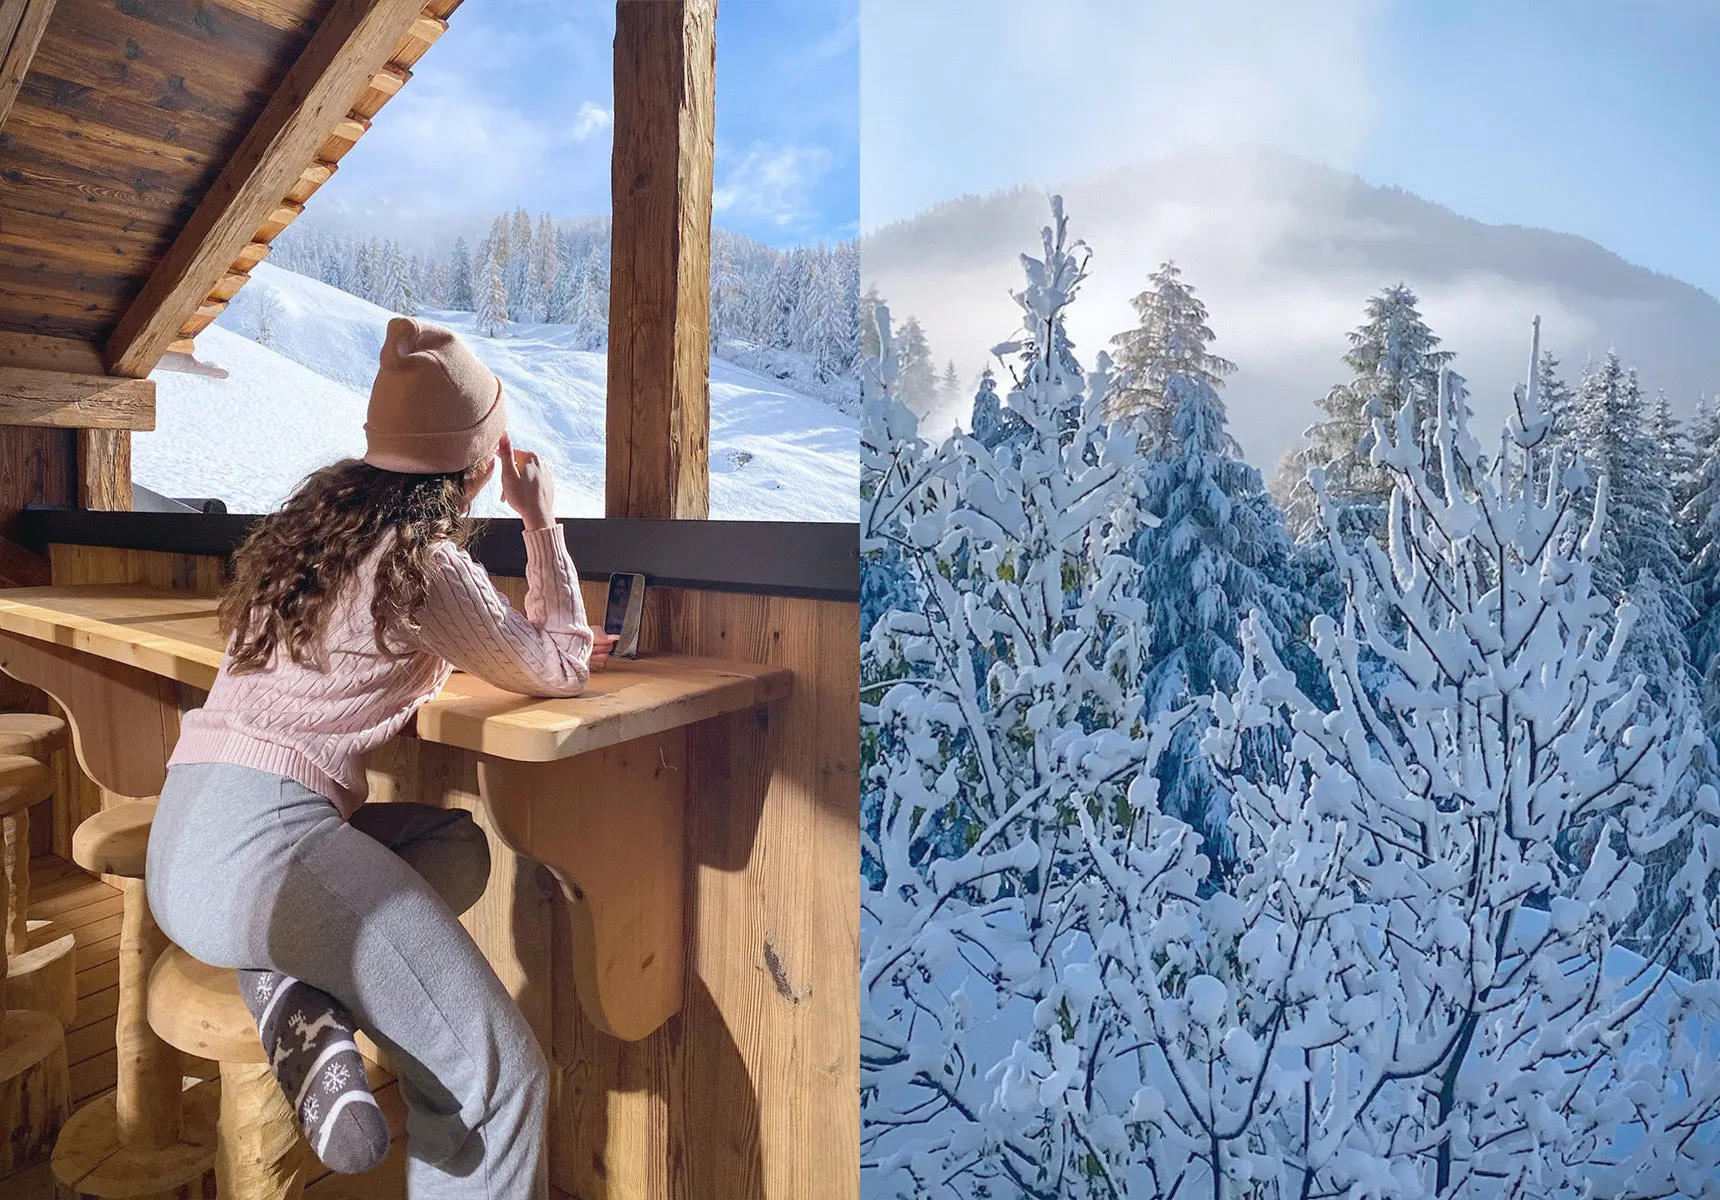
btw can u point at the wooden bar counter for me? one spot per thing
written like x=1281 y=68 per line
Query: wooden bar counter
x=594 y=787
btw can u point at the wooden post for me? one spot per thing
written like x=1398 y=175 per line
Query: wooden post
x=659 y=412
x=104 y=469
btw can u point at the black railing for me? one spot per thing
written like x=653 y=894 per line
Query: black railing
x=813 y=560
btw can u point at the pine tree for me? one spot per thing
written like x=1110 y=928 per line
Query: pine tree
x=460 y=279
x=951 y=385
x=1218 y=551
x=1395 y=360
x=993 y=425
x=544 y=262
x=1612 y=428
x=917 y=381
x=1699 y=520
x=493 y=306
x=1171 y=339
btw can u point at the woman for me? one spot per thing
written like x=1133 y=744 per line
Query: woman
x=348 y=609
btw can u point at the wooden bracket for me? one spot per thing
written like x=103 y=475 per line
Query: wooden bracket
x=132 y=713
x=611 y=827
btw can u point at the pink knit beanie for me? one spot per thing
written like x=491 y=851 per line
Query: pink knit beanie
x=434 y=406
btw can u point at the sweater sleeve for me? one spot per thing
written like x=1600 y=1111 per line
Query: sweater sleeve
x=464 y=620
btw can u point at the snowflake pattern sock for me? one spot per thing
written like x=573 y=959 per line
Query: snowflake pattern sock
x=309 y=1040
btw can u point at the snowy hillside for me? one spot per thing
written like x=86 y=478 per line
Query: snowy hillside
x=300 y=355
x=1285 y=252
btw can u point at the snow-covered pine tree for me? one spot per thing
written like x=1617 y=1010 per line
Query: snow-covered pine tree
x=991 y=424
x=1219 y=551
x=516 y=269
x=564 y=296
x=460 y=278
x=1171 y=338
x=1394 y=358
x=1699 y=521
x=916 y=379
x=493 y=303
x=540 y=281
x=1616 y=437
x=950 y=386
x=1002 y=748
x=590 y=308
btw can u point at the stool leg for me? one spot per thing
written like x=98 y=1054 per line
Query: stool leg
x=261 y=1154
x=151 y=1072
x=17 y=835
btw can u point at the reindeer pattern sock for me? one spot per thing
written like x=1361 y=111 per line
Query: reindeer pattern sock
x=309 y=1039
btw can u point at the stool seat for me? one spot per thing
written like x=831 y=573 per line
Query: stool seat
x=113 y=841
x=196 y=1008
x=34 y=735
x=23 y=782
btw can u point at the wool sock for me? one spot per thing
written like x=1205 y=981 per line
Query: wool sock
x=309 y=1039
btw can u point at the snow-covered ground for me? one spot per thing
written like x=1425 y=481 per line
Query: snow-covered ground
x=298 y=402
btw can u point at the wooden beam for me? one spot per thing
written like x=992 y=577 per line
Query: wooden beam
x=349 y=48
x=49 y=353
x=31 y=397
x=659 y=410
x=22 y=23
x=104 y=471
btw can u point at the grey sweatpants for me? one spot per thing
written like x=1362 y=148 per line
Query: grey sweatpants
x=248 y=869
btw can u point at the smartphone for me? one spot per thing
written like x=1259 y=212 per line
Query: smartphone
x=623 y=613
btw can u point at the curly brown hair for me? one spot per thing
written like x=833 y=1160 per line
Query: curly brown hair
x=289 y=571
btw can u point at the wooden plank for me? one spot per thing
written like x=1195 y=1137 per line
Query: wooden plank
x=658 y=453
x=32 y=397
x=22 y=23
x=173 y=634
x=250 y=256
x=48 y=354
x=343 y=138
x=283 y=215
x=200 y=320
x=310 y=179
x=383 y=87
x=227 y=288
x=350 y=46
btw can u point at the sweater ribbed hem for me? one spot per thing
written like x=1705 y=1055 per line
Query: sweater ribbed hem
x=230 y=746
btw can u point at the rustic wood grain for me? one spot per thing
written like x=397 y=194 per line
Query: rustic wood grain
x=658 y=451
x=22 y=23
x=68 y=401
x=104 y=467
x=350 y=45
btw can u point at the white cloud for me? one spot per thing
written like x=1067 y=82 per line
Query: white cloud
x=772 y=183
x=591 y=118
x=444 y=138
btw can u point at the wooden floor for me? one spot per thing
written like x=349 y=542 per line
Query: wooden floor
x=90 y=910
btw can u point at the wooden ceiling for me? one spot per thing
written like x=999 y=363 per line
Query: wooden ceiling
x=153 y=148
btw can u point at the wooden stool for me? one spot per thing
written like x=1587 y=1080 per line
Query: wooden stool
x=32 y=735
x=41 y=959
x=34 y=1088
x=149 y=1137
x=196 y=1007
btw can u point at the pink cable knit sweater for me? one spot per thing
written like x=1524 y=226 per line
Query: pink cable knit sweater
x=314 y=727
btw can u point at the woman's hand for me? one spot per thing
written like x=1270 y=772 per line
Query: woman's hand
x=601 y=645
x=526 y=485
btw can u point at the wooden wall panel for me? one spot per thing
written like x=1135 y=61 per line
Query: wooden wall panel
x=752 y=1091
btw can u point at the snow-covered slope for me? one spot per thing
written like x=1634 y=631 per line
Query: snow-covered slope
x=298 y=379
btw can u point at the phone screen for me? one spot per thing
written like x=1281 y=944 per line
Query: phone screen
x=615 y=616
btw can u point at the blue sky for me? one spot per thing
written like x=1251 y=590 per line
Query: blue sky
x=514 y=105
x=1593 y=117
